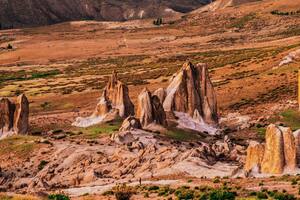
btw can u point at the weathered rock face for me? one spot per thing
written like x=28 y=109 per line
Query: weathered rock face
x=255 y=154
x=113 y=104
x=297 y=142
x=21 y=118
x=130 y=123
x=279 y=153
x=103 y=107
x=14 y=118
x=150 y=110
x=161 y=94
x=117 y=93
x=191 y=89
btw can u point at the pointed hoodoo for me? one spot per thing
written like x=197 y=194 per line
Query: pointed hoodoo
x=14 y=118
x=117 y=93
x=150 y=109
x=191 y=89
x=114 y=103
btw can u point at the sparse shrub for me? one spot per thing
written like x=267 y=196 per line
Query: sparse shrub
x=294 y=182
x=153 y=188
x=146 y=195
x=261 y=195
x=42 y=164
x=123 y=192
x=9 y=46
x=216 y=180
x=222 y=194
x=58 y=197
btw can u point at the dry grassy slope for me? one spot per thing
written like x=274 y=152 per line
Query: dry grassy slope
x=242 y=45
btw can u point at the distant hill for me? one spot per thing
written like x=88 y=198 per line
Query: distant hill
x=28 y=13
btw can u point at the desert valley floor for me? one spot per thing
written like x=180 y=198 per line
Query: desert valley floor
x=252 y=53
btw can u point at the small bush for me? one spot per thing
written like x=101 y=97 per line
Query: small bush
x=58 y=197
x=222 y=194
x=261 y=195
x=123 y=192
x=42 y=164
x=9 y=46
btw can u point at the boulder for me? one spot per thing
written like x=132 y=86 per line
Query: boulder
x=125 y=137
x=191 y=89
x=255 y=154
x=14 y=117
x=150 y=110
x=130 y=123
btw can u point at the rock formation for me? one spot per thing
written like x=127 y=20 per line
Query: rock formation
x=114 y=103
x=191 y=89
x=150 y=109
x=255 y=154
x=14 y=117
x=130 y=123
x=278 y=154
x=297 y=142
x=117 y=93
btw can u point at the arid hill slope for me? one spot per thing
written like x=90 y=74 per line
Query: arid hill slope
x=36 y=12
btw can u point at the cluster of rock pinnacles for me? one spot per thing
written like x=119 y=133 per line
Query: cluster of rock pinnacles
x=190 y=91
x=14 y=116
x=279 y=154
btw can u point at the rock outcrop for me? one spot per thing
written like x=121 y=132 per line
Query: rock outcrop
x=277 y=156
x=297 y=142
x=14 y=117
x=117 y=93
x=191 y=90
x=130 y=123
x=114 y=103
x=150 y=109
x=255 y=154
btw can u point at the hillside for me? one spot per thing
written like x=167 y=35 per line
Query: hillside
x=204 y=87
x=29 y=13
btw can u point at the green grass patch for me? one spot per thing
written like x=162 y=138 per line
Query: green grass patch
x=291 y=118
x=97 y=131
x=181 y=135
x=20 y=146
x=243 y=21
